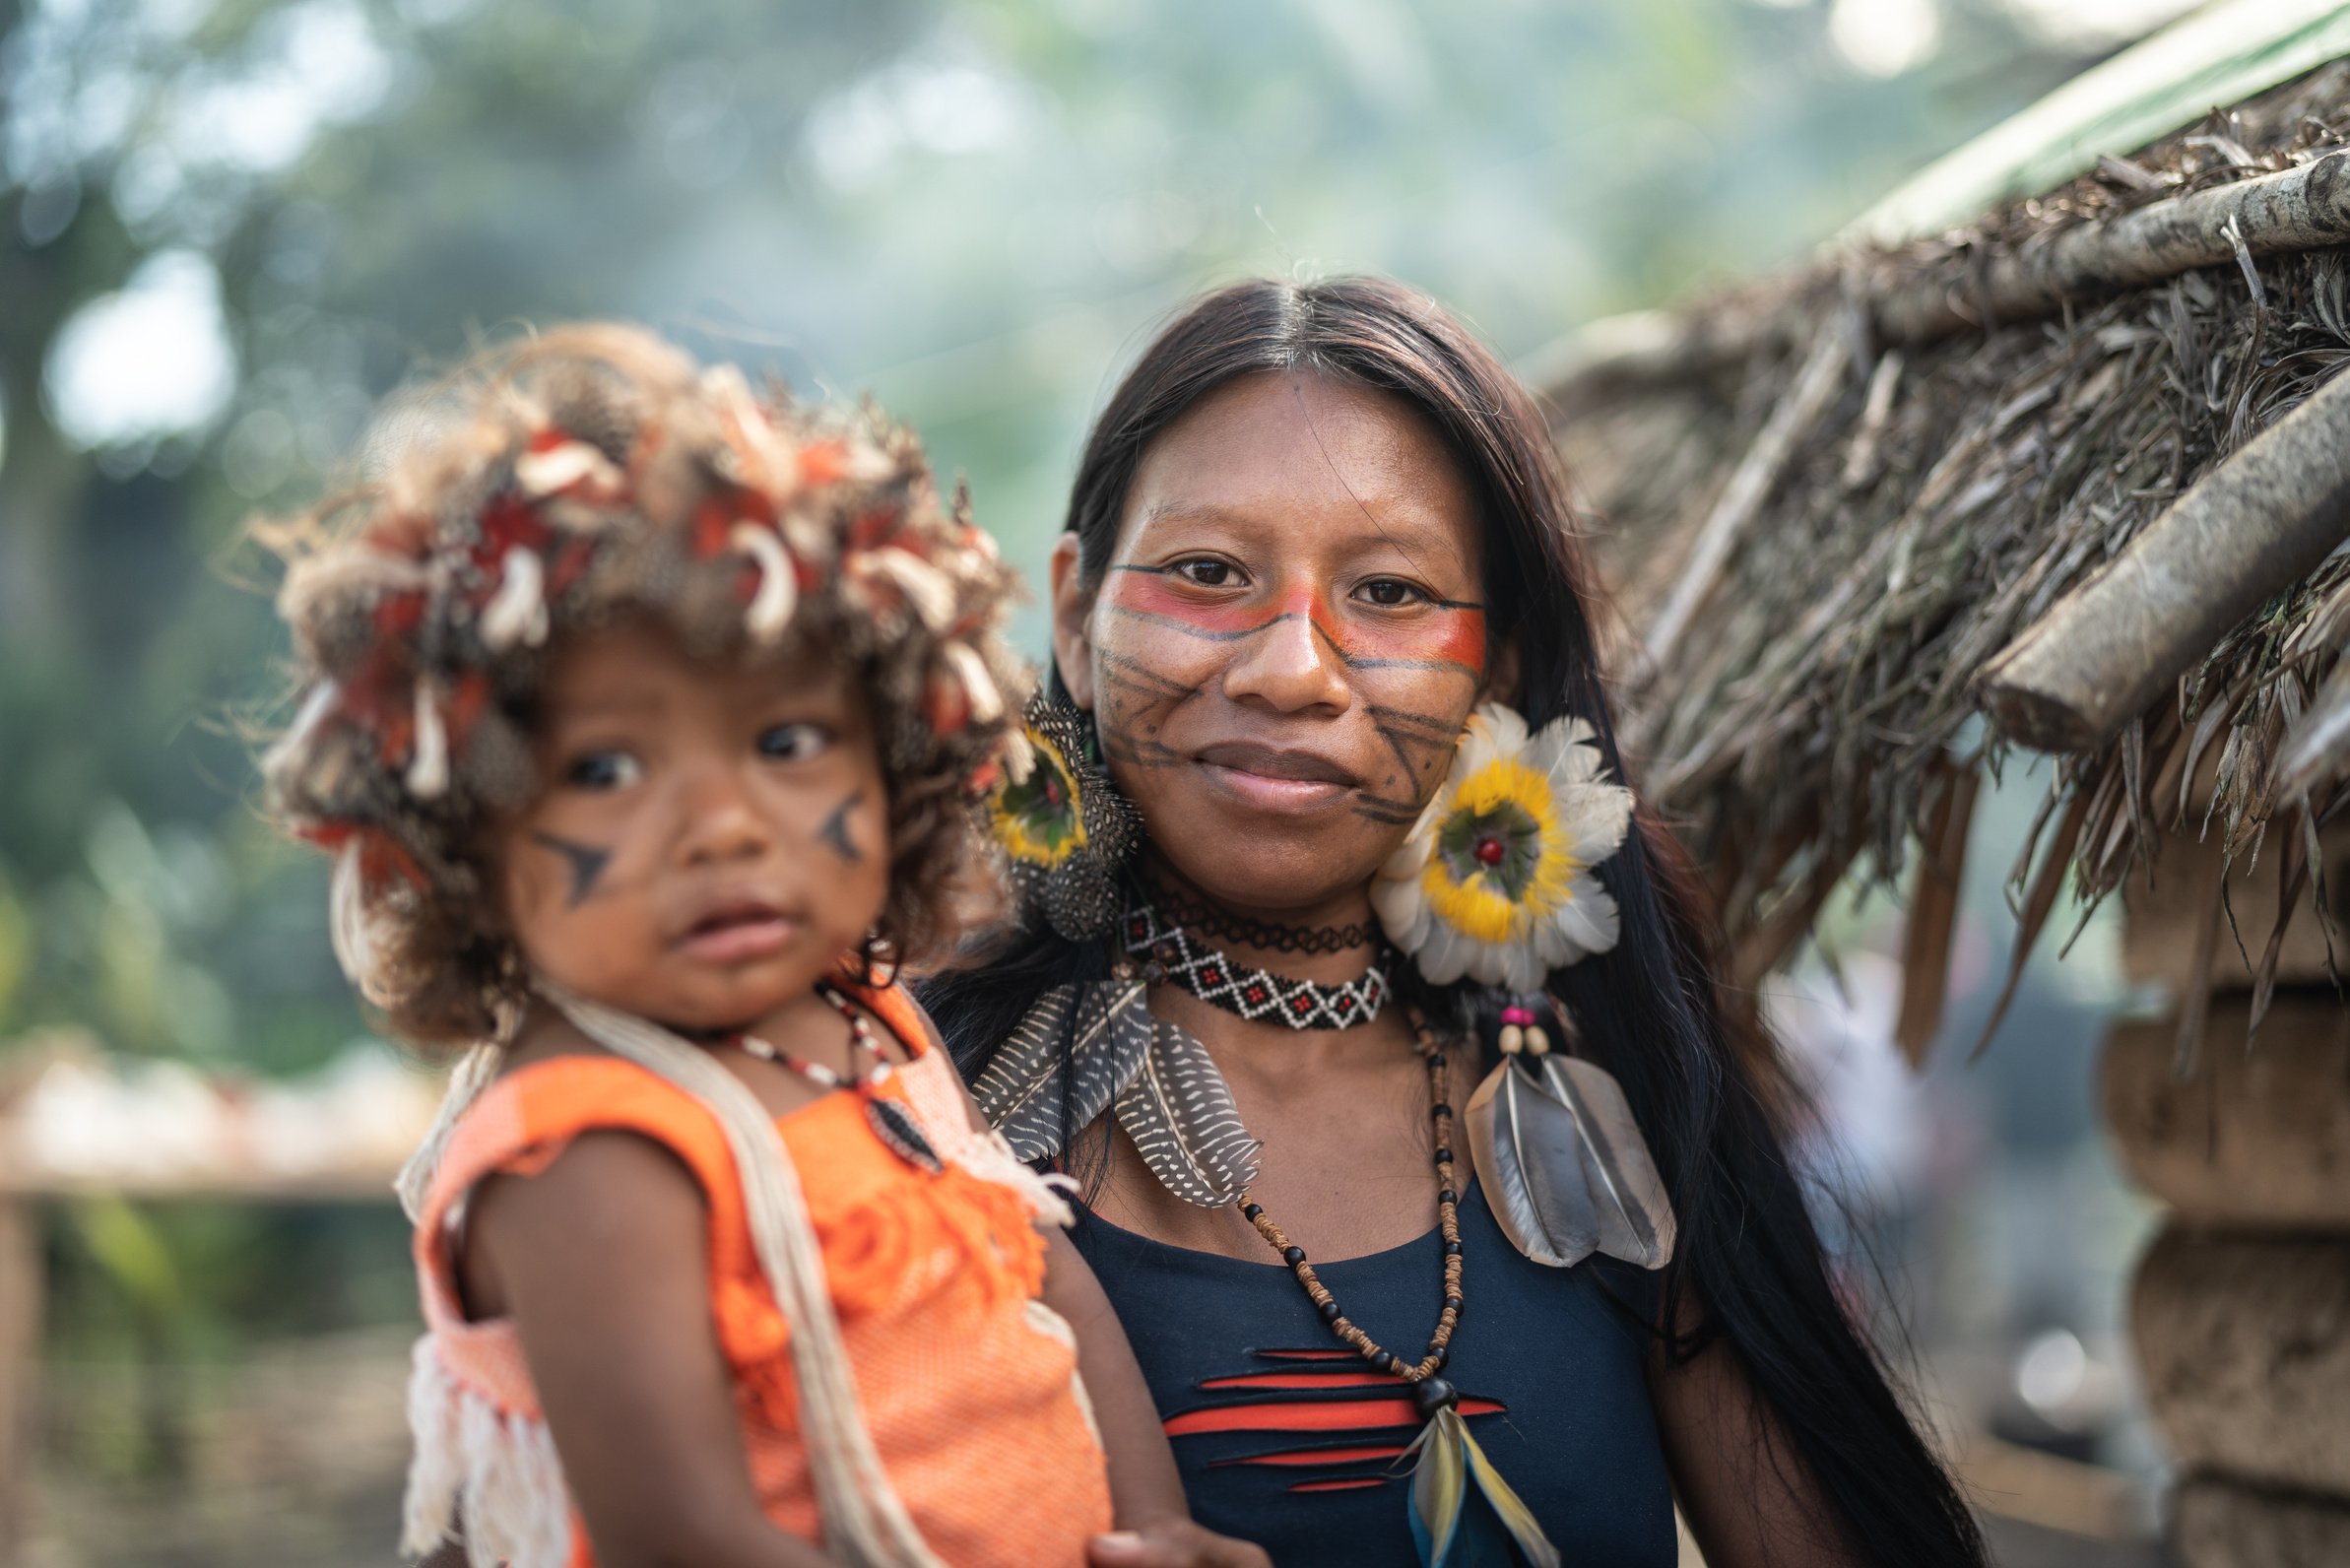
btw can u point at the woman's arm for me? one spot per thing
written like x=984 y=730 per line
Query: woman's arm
x=1745 y=1493
x=602 y=1261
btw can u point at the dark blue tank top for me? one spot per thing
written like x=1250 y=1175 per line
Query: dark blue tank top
x=1286 y=1438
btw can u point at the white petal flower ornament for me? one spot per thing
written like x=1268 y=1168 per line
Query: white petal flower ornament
x=1495 y=880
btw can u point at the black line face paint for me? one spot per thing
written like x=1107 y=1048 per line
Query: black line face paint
x=587 y=863
x=835 y=831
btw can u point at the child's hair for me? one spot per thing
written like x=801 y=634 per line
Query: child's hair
x=549 y=486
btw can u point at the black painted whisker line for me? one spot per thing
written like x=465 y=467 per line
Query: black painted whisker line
x=835 y=831
x=1178 y=623
x=1385 y=810
x=1135 y=674
x=1435 y=729
x=587 y=863
x=1139 y=753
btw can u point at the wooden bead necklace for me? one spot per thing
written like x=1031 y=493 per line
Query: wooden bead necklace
x=890 y=1124
x=1429 y=1392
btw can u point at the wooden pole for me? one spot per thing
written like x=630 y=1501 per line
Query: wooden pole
x=2247 y=530
x=1751 y=485
x=20 y=1365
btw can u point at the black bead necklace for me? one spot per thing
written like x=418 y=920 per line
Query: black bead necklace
x=1207 y=921
x=1430 y=1392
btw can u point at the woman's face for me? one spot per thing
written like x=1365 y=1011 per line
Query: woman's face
x=1287 y=638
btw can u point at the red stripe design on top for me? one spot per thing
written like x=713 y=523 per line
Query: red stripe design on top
x=1301 y=1380
x=1301 y=1415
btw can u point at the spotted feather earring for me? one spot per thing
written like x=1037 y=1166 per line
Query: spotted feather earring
x=1064 y=829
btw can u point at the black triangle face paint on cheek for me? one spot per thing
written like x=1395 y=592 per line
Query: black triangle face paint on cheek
x=587 y=863
x=835 y=831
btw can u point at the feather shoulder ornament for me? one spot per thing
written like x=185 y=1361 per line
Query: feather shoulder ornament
x=1083 y=1050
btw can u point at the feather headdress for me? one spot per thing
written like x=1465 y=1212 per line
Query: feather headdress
x=558 y=480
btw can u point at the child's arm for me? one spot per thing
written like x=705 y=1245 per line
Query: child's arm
x=602 y=1261
x=1155 y=1525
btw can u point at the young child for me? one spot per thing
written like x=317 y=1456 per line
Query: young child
x=643 y=719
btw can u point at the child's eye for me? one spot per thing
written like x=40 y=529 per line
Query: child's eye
x=793 y=742
x=1206 y=571
x=604 y=770
x=1392 y=592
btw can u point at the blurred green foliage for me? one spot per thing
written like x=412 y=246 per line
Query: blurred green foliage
x=227 y=226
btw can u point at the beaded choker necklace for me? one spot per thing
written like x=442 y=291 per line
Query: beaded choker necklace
x=1252 y=993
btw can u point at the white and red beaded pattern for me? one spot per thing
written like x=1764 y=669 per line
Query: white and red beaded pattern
x=1252 y=993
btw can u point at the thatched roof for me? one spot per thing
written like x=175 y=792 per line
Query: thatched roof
x=1829 y=502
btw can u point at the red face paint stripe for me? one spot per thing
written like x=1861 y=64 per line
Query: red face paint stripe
x=1297 y=1416
x=1349 y=1484
x=1301 y=1380
x=1152 y=596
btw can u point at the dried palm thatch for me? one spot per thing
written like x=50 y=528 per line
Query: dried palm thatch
x=1831 y=502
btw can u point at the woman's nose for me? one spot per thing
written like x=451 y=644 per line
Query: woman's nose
x=1291 y=666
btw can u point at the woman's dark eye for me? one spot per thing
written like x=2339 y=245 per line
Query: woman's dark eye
x=604 y=770
x=1207 y=573
x=1389 y=593
x=793 y=742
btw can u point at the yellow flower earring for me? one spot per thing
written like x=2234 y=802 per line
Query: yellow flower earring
x=1495 y=880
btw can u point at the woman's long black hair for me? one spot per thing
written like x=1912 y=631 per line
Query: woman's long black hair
x=1697 y=1074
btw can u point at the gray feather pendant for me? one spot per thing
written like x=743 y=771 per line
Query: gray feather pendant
x=1179 y=1112
x=1102 y=1035
x=1563 y=1165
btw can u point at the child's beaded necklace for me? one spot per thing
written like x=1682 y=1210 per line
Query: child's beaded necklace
x=889 y=1120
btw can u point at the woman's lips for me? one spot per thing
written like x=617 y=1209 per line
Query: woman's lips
x=1271 y=778
x=738 y=936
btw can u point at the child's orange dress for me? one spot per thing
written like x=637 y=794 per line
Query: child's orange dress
x=968 y=1382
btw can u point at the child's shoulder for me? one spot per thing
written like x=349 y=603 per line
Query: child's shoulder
x=554 y=1087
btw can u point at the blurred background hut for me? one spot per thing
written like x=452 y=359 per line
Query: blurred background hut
x=229 y=226
x=2068 y=472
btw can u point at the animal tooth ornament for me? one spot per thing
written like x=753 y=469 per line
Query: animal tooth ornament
x=1496 y=884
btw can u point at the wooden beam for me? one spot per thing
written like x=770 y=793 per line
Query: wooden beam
x=2300 y=208
x=2247 y=530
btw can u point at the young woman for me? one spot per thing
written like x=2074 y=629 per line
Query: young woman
x=1371 y=1015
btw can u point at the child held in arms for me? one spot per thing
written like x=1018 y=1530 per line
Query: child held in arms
x=643 y=717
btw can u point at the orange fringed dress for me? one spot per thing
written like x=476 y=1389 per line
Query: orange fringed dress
x=968 y=1382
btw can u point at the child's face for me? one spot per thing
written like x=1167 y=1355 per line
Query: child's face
x=711 y=838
